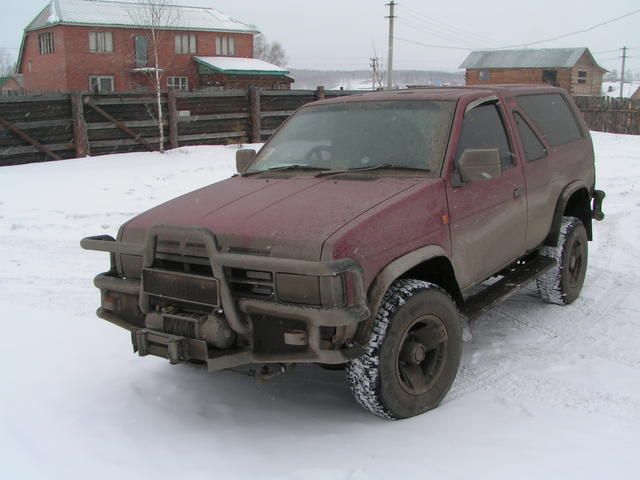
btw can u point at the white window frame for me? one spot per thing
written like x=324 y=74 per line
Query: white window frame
x=46 y=43
x=101 y=42
x=484 y=75
x=178 y=83
x=225 y=46
x=186 y=44
x=99 y=79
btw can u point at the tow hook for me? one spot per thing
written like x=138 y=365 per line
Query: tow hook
x=268 y=372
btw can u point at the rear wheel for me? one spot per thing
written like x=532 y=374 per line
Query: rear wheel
x=413 y=354
x=563 y=283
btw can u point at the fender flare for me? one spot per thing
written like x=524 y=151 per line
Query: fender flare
x=565 y=195
x=391 y=273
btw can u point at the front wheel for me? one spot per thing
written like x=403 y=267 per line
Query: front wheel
x=413 y=354
x=563 y=283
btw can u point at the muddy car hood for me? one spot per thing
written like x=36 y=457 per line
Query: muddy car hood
x=287 y=218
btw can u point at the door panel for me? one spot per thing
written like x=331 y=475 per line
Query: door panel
x=487 y=218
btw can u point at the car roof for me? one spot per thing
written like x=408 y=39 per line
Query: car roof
x=441 y=93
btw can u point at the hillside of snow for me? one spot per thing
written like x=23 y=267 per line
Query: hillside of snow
x=543 y=391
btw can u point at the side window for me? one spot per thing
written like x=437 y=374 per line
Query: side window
x=483 y=129
x=533 y=147
x=552 y=116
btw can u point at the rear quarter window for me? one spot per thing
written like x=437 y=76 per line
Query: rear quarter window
x=553 y=117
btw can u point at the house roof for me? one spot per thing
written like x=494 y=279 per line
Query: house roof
x=5 y=80
x=131 y=14
x=529 y=58
x=241 y=66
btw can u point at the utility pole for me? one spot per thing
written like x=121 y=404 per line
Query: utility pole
x=624 y=61
x=392 y=18
x=375 y=66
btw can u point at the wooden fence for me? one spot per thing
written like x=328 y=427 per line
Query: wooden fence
x=54 y=127
x=605 y=114
x=41 y=128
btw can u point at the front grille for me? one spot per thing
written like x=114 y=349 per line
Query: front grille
x=250 y=283
x=185 y=287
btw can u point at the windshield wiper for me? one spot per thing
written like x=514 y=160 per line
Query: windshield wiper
x=288 y=167
x=384 y=166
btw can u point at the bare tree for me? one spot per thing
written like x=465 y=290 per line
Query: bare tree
x=7 y=64
x=272 y=52
x=155 y=17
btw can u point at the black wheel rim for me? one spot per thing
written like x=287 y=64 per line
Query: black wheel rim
x=575 y=263
x=421 y=354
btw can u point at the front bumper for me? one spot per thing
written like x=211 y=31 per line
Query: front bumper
x=262 y=324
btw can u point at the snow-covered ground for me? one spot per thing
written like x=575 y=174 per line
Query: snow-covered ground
x=612 y=89
x=543 y=391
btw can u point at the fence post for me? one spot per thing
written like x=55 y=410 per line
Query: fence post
x=320 y=93
x=256 y=120
x=80 y=137
x=173 y=119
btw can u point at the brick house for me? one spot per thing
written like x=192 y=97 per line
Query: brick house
x=573 y=69
x=106 y=46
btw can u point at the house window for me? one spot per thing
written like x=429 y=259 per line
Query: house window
x=582 y=76
x=485 y=75
x=226 y=46
x=178 y=83
x=101 y=42
x=101 y=83
x=186 y=44
x=142 y=51
x=46 y=43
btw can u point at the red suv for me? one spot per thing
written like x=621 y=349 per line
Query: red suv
x=359 y=235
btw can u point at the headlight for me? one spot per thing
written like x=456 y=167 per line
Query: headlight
x=310 y=290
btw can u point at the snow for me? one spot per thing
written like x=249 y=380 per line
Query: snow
x=240 y=64
x=629 y=88
x=543 y=391
x=131 y=13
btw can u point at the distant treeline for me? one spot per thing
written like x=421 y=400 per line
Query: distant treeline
x=360 y=79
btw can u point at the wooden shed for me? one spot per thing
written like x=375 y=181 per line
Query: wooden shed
x=573 y=69
x=230 y=73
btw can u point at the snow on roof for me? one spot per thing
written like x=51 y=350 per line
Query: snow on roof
x=247 y=66
x=528 y=58
x=130 y=14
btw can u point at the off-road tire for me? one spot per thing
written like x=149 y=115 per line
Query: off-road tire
x=375 y=378
x=563 y=283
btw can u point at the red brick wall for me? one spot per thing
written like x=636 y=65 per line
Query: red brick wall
x=44 y=73
x=518 y=76
x=72 y=64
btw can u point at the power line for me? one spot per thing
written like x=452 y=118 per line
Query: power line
x=418 y=16
x=446 y=47
x=444 y=36
x=593 y=27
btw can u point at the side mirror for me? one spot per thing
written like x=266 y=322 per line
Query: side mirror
x=243 y=158
x=480 y=164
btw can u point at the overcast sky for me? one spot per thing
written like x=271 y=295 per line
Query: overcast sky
x=343 y=34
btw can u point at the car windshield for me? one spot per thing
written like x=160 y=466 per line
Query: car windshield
x=408 y=135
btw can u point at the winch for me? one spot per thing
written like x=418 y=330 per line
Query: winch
x=211 y=328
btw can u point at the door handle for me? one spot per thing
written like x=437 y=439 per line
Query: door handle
x=517 y=193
